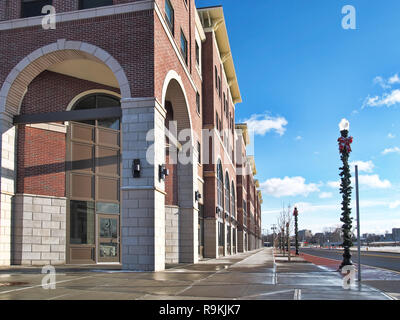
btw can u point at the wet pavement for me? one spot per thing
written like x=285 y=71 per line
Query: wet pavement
x=247 y=276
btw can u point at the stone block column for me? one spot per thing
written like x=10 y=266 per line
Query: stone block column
x=7 y=185
x=210 y=238
x=188 y=211
x=143 y=199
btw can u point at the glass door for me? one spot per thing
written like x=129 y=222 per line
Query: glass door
x=108 y=238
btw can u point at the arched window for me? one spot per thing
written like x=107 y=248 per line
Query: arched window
x=227 y=194
x=98 y=101
x=220 y=185
x=233 y=200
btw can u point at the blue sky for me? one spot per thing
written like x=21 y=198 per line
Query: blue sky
x=300 y=73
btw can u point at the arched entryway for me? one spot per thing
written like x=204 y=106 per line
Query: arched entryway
x=181 y=207
x=38 y=234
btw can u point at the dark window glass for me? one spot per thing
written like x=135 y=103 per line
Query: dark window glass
x=110 y=208
x=169 y=15
x=233 y=198
x=197 y=54
x=227 y=193
x=95 y=101
x=87 y=4
x=221 y=234
x=216 y=78
x=33 y=8
x=82 y=222
x=217 y=120
x=198 y=104
x=219 y=86
x=199 y=151
x=108 y=228
x=220 y=185
x=184 y=47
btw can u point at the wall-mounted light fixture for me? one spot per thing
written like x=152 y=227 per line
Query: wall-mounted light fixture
x=197 y=195
x=163 y=172
x=136 y=168
x=218 y=210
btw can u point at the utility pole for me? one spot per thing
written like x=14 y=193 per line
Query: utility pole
x=283 y=240
x=288 y=239
x=358 y=227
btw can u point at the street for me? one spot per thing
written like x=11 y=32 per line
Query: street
x=384 y=260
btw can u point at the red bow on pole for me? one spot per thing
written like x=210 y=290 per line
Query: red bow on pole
x=344 y=144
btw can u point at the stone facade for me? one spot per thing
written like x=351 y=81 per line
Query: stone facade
x=39 y=230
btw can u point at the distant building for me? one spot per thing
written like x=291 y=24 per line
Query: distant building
x=305 y=235
x=396 y=234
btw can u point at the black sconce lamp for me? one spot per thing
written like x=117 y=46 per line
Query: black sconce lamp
x=163 y=172
x=136 y=168
x=197 y=195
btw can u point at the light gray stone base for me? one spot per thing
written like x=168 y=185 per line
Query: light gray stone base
x=171 y=234
x=188 y=235
x=38 y=230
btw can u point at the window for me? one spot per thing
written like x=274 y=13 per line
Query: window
x=233 y=200
x=221 y=234
x=220 y=183
x=169 y=15
x=244 y=212
x=33 y=8
x=197 y=54
x=184 y=47
x=227 y=194
x=219 y=86
x=224 y=104
x=199 y=152
x=217 y=120
x=87 y=4
x=198 y=103
x=216 y=78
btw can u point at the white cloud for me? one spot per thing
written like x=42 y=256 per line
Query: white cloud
x=261 y=124
x=298 y=138
x=379 y=80
x=333 y=184
x=370 y=181
x=363 y=166
x=391 y=150
x=387 y=99
x=325 y=195
x=277 y=187
x=394 y=204
x=391 y=136
x=373 y=181
x=395 y=79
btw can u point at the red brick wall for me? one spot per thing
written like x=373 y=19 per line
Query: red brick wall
x=130 y=43
x=51 y=92
x=41 y=162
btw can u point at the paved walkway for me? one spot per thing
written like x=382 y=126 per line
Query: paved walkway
x=249 y=276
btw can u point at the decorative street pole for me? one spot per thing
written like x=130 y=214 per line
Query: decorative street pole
x=296 y=229
x=288 y=239
x=345 y=189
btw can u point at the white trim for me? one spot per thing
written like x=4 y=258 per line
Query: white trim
x=86 y=93
x=173 y=75
x=79 y=14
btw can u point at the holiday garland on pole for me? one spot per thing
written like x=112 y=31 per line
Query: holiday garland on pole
x=345 y=189
x=296 y=229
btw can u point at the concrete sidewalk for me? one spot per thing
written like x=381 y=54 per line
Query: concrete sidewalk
x=247 y=276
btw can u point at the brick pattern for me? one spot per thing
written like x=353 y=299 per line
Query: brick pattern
x=39 y=230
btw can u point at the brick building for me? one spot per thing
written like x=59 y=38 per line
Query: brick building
x=119 y=142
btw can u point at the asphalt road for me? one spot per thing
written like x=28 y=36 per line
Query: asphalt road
x=390 y=261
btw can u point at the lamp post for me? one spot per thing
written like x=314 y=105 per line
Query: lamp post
x=345 y=189
x=296 y=229
x=288 y=239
